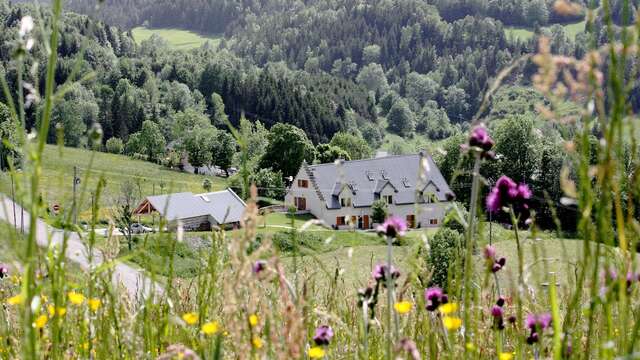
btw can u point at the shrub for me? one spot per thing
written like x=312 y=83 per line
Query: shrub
x=378 y=211
x=284 y=241
x=115 y=146
x=457 y=215
x=444 y=248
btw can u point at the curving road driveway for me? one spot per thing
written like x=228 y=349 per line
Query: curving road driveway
x=133 y=280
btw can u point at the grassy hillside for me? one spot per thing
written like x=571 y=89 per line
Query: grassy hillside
x=57 y=177
x=525 y=33
x=178 y=39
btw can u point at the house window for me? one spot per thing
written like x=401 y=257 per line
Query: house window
x=303 y=183
x=388 y=199
x=433 y=221
x=345 y=202
x=340 y=221
x=411 y=221
x=429 y=198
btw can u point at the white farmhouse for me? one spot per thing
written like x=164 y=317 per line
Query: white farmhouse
x=341 y=193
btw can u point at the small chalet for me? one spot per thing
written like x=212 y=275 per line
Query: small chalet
x=196 y=212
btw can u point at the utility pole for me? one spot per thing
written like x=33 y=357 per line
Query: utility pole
x=76 y=181
x=13 y=201
x=153 y=215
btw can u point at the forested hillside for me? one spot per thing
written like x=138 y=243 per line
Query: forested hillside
x=134 y=83
x=436 y=56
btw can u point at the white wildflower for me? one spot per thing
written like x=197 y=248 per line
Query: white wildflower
x=29 y=44
x=180 y=232
x=26 y=25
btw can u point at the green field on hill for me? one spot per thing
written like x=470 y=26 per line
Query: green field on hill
x=57 y=177
x=177 y=38
x=525 y=33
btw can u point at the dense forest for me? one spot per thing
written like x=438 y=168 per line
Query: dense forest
x=134 y=83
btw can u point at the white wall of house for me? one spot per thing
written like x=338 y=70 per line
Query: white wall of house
x=313 y=203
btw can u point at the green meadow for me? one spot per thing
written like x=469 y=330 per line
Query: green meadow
x=177 y=38
x=523 y=34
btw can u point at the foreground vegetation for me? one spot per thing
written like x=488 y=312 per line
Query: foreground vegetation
x=456 y=297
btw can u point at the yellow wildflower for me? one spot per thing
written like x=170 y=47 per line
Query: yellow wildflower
x=94 y=304
x=44 y=298
x=41 y=321
x=505 y=356
x=210 y=328
x=257 y=342
x=451 y=322
x=75 y=298
x=253 y=320
x=448 y=308
x=190 y=318
x=316 y=352
x=402 y=307
x=52 y=311
x=16 y=300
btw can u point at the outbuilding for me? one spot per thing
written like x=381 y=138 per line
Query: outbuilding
x=196 y=212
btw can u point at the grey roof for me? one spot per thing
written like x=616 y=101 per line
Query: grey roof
x=224 y=206
x=367 y=178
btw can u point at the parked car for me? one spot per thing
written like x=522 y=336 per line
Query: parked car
x=137 y=228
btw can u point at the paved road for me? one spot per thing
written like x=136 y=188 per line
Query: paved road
x=133 y=280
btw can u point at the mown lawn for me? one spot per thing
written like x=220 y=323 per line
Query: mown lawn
x=177 y=38
x=57 y=178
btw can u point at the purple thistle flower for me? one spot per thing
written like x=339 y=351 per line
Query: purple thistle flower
x=533 y=338
x=489 y=252
x=500 y=301
x=496 y=311
x=541 y=321
x=380 y=271
x=493 y=264
x=259 y=266
x=393 y=226
x=323 y=335
x=433 y=293
x=512 y=319
x=480 y=140
x=507 y=193
x=537 y=324
x=444 y=299
x=434 y=296
x=4 y=271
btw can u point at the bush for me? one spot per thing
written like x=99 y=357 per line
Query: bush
x=283 y=240
x=378 y=211
x=115 y=146
x=457 y=215
x=445 y=247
